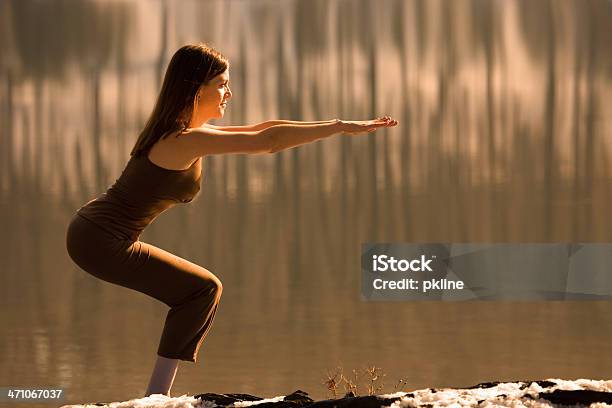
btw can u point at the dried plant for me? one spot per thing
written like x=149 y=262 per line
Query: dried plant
x=375 y=375
x=372 y=373
x=349 y=385
x=401 y=381
x=332 y=381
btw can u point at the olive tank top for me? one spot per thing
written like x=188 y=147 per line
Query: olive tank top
x=142 y=192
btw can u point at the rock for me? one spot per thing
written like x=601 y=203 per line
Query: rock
x=226 y=399
x=583 y=397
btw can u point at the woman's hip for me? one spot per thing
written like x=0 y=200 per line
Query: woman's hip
x=138 y=265
x=90 y=246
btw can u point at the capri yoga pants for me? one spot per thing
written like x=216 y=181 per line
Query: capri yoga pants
x=191 y=292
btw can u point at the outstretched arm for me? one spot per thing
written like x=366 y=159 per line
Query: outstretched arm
x=264 y=125
x=286 y=136
x=206 y=141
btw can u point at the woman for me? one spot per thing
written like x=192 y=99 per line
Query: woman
x=165 y=169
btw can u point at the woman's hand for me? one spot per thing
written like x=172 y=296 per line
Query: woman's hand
x=355 y=127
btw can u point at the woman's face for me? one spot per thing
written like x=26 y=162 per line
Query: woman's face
x=213 y=99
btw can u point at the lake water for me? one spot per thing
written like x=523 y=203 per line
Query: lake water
x=505 y=118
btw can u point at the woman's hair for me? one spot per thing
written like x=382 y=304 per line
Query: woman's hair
x=191 y=66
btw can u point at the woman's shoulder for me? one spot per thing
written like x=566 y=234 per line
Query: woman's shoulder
x=171 y=153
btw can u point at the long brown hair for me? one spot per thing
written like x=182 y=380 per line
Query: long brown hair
x=191 y=66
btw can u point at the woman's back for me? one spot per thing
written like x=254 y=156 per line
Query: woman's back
x=142 y=192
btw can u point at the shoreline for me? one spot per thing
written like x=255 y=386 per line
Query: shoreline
x=527 y=393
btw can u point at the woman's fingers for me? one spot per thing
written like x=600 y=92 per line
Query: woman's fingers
x=391 y=122
x=387 y=121
x=380 y=122
x=367 y=126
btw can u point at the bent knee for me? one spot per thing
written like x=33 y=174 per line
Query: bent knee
x=215 y=285
x=219 y=286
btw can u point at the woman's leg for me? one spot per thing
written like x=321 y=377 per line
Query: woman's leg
x=193 y=294
x=191 y=291
x=163 y=376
